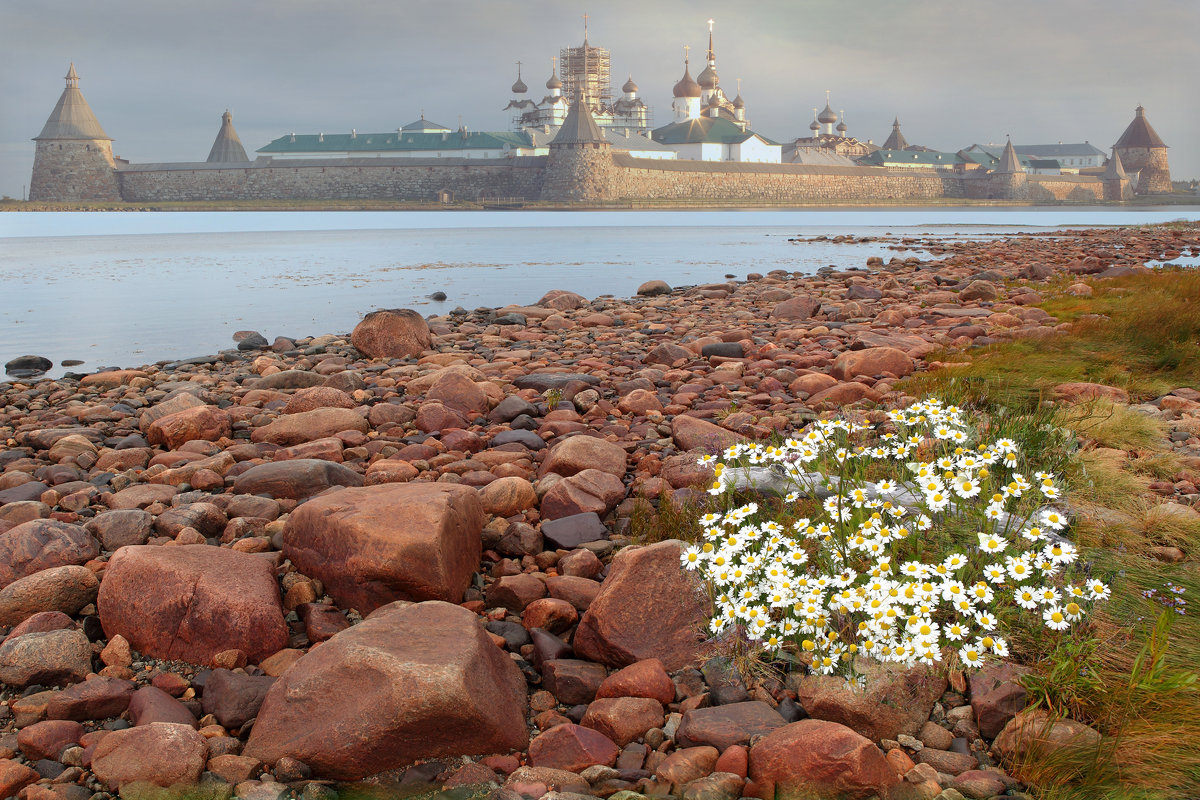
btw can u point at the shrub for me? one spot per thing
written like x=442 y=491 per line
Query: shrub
x=921 y=541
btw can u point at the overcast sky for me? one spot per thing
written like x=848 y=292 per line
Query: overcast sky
x=158 y=73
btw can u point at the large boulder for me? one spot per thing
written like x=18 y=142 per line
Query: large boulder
x=47 y=658
x=895 y=700
x=691 y=433
x=814 y=758
x=1035 y=732
x=572 y=748
x=589 y=491
x=394 y=541
x=172 y=405
x=66 y=589
x=726 y=725
x=577 y=453
x=203 y=600
x=43 y=544
x=392 y=333
x=1080 y=392
x=161 y=753
x=295 y=479
x=997 y=695
x=207 y=423
x=872 y=361
x=796 y=309
x=307 y=426
x=411 y=682
x=459 y=393
x=623 y=719
x=647 y=608
x=234 y=698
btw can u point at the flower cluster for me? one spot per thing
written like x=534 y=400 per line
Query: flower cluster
x=869 y=556
x=1168 y=597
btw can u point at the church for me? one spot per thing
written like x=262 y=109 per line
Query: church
x=708 y=125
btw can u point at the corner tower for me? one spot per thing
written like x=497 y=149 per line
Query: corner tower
x=1142 y=151
x=74 y=159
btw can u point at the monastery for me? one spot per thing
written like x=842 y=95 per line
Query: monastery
x=582 y=144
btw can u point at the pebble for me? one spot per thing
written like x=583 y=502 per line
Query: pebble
x=223 y=450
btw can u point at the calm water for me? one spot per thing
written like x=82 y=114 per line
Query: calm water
x=125 y=289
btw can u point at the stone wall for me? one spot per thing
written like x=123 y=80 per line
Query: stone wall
x=85 y=171
x=654 y=179
x=73 y=169
x=1069 y=188
x=335 y=179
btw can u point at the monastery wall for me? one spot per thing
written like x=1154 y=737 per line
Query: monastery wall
x=1072 y=188
x=651 y=179
x=335 y=179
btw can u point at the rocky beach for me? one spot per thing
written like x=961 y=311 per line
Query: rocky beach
x=413 y=555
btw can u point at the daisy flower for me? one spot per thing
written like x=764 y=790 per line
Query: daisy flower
x=970 y=656
x=1052 y=518
x=991 y=543
x=1055 y=619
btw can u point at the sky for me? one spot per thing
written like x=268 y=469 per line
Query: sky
x=159 y=73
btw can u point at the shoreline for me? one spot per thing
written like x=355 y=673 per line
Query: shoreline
x=1180 y=199
x=515 y=454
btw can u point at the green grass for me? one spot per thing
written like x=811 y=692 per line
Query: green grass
x=1129 y=672
x=1137 y=332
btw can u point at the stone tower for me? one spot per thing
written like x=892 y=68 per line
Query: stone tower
x=74 y=159
x=1117 y=185
x=1008 y=181
x=227 y=149
x=1142 y=151
x=580 y=165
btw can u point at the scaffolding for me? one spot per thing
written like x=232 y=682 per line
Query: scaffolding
x=586 y=69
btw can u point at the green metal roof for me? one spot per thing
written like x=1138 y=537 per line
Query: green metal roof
x=704 y=130
x=924 y=158
x=405 y=141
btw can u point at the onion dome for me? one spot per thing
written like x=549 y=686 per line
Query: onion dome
x=841 y=127
x=814 y=126
x=629 y=86
x=827 y=117
x=519 y=87
x=738 y=102
x=708 y=78
x=714 y=101
x=687 y=86
x=554 y=82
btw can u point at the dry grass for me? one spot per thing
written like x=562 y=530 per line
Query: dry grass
x=1103 y=424
x=1138 y=332
x=1130 y=672
x=668 y=520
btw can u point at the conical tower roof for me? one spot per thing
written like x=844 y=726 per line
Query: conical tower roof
x=227 y=149
x=1115 y=169
x=72 y=118
x=579 y=127
x=896 y=141
x=1009 y=163
x=1139 y=133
